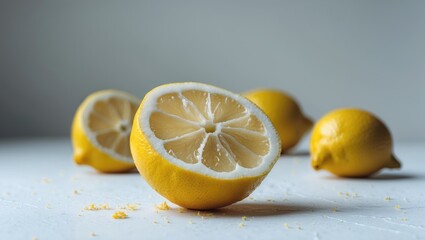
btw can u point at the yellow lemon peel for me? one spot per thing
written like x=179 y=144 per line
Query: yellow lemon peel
x=351 y=143
x=285 y=114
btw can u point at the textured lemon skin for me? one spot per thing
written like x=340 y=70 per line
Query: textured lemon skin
x=85 y=153
x=183 y=187
x=351 y=143
x=285 y=114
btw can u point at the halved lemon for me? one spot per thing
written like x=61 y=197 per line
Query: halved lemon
x=101 y=129
x=200 y=146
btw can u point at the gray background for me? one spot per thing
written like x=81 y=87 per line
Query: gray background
x=329 y=54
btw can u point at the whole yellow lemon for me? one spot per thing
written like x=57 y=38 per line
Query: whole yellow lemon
x=351 y=143
x=285 y=114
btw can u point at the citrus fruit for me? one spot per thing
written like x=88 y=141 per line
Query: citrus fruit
x=200 y=146
x=351 y=143
x=285 y=114
x=101 y=128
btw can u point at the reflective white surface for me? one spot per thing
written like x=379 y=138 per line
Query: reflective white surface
x=37 y=199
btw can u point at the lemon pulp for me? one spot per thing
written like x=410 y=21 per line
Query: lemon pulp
x=196 y=129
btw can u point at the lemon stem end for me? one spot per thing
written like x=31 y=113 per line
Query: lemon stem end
x=308 y=124
x=393 y=163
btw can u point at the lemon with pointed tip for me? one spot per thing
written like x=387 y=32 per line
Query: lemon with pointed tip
x=101 y=131
x=200 y=146
x=351 y=143
x=285 y=114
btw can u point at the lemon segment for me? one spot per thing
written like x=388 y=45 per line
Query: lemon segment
x=101 y=128
x=285 y=114
x=352 y=143
x=200 y=146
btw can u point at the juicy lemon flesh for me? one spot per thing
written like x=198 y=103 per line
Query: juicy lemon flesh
x=198 y=127
x=213 y=129
x=285 y=114
x=110 y=120
x=100 y=132
x=352 y=143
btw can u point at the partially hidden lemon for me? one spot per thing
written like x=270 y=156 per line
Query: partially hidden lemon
x=351 y=143
x=200 y=146
x=285 y=114
x=101 y=131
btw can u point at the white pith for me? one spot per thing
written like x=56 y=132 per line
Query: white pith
x=104 y=96
x=150 y=106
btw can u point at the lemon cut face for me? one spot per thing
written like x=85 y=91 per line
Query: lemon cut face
x=109 y=120
x=101 y=131
x=209 y=131
x=200 y=146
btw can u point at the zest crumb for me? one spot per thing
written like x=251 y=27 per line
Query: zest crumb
x=162 y=206
x=335 y=209
x=244 y=218
x=93 y=207
x=241 y=225
x=48 y=206
x=130 y=207
x=93 y=234
x=397 y=207
x=75 y=192
x=119 y=215
x=180 y=210
x=34 y=238
x=155 y=222
x=387 y=198
x=286 y=225
x=190 y=221
x=205 y=214
x=104 y=206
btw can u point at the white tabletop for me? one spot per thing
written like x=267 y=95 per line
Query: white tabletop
x=43 y=195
